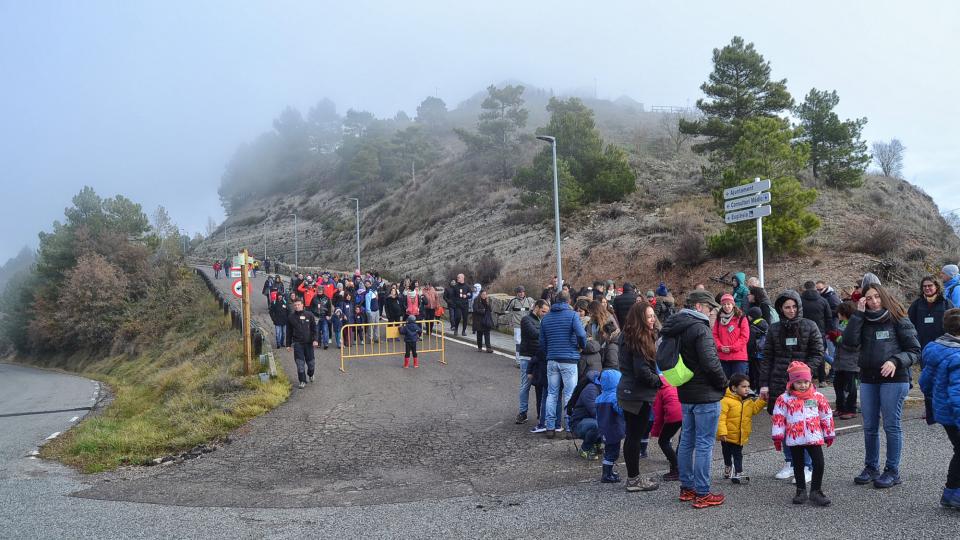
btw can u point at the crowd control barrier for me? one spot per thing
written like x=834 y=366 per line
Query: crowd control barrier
x=360 y=340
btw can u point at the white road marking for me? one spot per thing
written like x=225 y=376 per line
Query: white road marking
x=467 y=343
x=75 y=418
x=847 y=427
x=54 y=435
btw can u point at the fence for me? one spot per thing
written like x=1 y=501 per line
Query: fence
x=361 y=340
x=233 y=310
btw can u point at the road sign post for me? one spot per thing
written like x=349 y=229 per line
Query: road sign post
x=749 y=201
x=245 y=310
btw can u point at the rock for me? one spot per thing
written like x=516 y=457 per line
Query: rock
x=156 y=461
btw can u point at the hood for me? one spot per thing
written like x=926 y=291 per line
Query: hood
x=759 y=295
x=730 y=394
x=949 y=341
x=789 y=294
x=628 y=287
x=592 y=347
x=609 y=379
x=869 y=279
x=593 y=376
x=741 y=279
x=684 y=319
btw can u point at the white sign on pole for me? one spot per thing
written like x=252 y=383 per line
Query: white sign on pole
x=749 y=213
x=746 y=189
x=745 y=202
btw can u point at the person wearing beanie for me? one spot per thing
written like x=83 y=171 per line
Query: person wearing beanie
x=666 y=304
x=941 y=389
x=662 y=289
x=731 y=334
x=758 y=336
x=803 y=423
x=411 y=333
x=951 y=283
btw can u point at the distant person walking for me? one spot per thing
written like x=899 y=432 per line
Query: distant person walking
x=301 y=339
x=461 y=294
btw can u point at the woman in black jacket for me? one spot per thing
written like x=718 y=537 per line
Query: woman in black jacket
x=888 y=347
x=926 y=312
x=638 y=386
x=483 y=320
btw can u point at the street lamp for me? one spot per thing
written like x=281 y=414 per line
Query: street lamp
x=296 y=246
x=358 y=229
x=556 y=206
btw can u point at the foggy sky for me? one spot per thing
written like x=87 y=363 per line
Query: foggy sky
x=150 y=99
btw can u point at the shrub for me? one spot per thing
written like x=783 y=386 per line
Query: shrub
x=916 y=254
x=487 y=269
x=664 y=264
x=690 y=249
x=880 y=239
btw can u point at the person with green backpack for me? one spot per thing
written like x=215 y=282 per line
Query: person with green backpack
x=687 y=356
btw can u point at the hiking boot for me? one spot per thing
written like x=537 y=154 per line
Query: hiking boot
x=687 y=494
x=726 y=471
x=641 y=483
x=800 y=497
x=521 y=418
x=818 y=498
x=869 y=474
x=609 y=475
x=708 y=500
x=740 y=478
x=889 y=478
x=406 y=363
x=672 y=476
x=537 y=429
x=950 y=498
x=785 y=472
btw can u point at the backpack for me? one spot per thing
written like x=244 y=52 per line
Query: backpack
x=670 y=362
x=762 y=340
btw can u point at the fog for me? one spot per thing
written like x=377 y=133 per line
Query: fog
x=150 y=99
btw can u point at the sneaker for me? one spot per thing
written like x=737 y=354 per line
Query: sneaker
x=303 y=385
x=950 y=498
x=672 y=476
x=687 y=494
x=869 y=474
x=726 y=471
x=708 y=500
x=521 y=418
x=818 y=498
x=889 y=478
x=740 y=478
x=311 y=378
x=641 y=483
x=537 y=429
x=785 y=472
x=588 y=455
x=800 y=497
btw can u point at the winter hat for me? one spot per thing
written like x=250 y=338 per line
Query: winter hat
x=754 y=313
x=726 y=297
x=650 y=294
x=798 y=371
x=951 y=270
x=411 y=318
x=662 y=289
x=701 y=297
x=340 y=286
x=520 y=289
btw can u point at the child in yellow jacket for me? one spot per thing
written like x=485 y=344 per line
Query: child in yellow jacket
x=736 y=422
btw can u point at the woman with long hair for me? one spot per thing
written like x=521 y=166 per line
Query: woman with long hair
x=431 y=302
x=926 y=312
x=603 y=328
x=638 y=387
x=888 y=347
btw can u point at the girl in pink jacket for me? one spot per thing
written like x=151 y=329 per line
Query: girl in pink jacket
x=667 y=416
x=731 y=333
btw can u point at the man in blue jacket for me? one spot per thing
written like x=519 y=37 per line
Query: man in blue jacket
x=561 y=338
x=951 y=283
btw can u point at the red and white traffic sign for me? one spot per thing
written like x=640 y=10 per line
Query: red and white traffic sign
x=238 y=288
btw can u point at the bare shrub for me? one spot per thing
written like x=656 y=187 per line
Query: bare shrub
x=664 y=264
x=880 y=239
x=487 y=269
x=690 y=249
x=916 y=254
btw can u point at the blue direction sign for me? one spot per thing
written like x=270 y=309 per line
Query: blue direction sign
x=749 y=213
x=745 y=202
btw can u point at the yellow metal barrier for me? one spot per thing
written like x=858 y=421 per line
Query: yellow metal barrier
x=359 y=340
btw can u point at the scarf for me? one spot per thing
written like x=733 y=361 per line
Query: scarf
x=725 y=318
x=876 y=316
x=808 y=394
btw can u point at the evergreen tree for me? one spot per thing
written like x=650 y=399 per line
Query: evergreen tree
x=501 y=120
x=837 y=153
x=432 y=113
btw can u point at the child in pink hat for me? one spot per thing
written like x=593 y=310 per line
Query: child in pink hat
x=802 y=420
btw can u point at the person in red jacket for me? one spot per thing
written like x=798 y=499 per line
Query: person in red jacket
x=308 y=289
x=667 y=417
x=731 y=333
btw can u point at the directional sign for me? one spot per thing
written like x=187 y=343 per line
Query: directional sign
x=749 y=213
x=238 y=288
x=752 y=200
x=746 y=189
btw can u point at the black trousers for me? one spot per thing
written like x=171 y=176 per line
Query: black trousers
x=845 y=384
x=303 y=356
x=409 y=348
x=666 y=433
x=458 y=316
x=481 y=336
x=636 y=426
x=815 y=452
x=733 y=456
x=953 y=473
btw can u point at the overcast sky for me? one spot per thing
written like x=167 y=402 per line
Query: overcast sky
x=150 y=99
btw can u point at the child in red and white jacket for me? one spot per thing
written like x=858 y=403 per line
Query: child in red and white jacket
x=802 y=420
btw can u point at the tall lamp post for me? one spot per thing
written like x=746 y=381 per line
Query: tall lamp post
x=296 y=246
x=556 y=207
x=358 y=229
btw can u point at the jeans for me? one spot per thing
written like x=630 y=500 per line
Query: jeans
x=845 y=384
x=323 y=331
x=374 y=317
x=280 y=331
x=303 y=356
x=524 y=385
x=732 y=367
x=559 y=373
x=698 y=431
x=516 y=340
x=588 y=430
x=884 y=400
x=337 y=324
x=732 y=456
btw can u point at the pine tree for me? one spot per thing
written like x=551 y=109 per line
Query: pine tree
x=837 y=153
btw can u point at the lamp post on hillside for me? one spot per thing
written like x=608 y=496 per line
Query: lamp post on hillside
x=296 y=246
x=556 y=207
x=358 y=229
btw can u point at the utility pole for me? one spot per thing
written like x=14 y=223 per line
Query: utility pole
x=245 y=311
x=556 y=207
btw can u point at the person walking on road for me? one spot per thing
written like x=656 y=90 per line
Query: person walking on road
x=561 y=339
x=279 y=312
x=301 y=339
x=517 y=308
x=530 y=360
x=461 y=294
x=699 y=397
x=482 y=320
x=940 y=382
x=888 y=347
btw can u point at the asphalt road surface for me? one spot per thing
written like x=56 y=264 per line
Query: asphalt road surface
x=383 y=452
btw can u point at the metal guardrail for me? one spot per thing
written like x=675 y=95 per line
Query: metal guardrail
x=359 y=340
x=233 y=311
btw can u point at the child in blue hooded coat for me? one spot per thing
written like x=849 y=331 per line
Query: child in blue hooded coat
x=611 y=423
